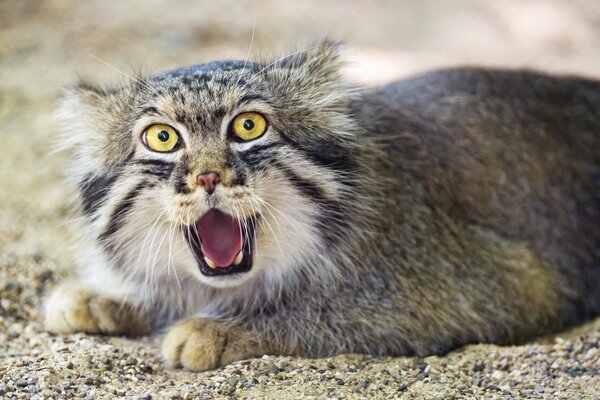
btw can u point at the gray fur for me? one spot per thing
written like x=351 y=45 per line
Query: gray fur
x=455 y=207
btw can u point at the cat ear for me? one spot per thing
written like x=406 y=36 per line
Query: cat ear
x=317 y=65
x=312 y=75
x=86 y=100
x=322 y=61
x=77 y=113
x=87 y=114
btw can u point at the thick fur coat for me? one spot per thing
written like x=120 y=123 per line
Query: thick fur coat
x=454 y=207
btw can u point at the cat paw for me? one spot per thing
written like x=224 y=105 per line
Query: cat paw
x=74 y=309
x=201 y=345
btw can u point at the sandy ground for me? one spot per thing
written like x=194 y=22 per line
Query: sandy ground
x=47 y=45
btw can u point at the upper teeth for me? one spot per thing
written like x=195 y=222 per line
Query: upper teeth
x=238 y=258
x=210 y=262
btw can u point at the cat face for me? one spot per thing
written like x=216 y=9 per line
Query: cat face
x=221 y=173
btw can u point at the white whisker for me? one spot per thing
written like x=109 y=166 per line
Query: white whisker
x=147 y=86
x=281 y=59
x=249 y=48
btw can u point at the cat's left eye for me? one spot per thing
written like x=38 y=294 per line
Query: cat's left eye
x=161 y=138
x=249 y=126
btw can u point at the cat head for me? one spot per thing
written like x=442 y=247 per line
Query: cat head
x=222 y=172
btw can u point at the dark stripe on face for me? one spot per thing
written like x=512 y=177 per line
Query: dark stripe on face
x=162 y=175
x=235 y=164
x=251 y=97
x=153 y=162
x=327 y=154
x=333 y=219
x=308 y=188
x=180 y=173
x=150 y=110
x=93 y=191
x=257 y=156
x=122 y=208
x=159 y=168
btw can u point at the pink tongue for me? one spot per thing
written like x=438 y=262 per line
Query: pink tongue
x=220 y=236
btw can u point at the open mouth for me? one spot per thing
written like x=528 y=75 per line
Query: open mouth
x=222 y=244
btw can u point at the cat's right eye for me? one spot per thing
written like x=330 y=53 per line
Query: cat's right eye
x=161 y=138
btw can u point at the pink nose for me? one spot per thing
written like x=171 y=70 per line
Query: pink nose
x=208 y=181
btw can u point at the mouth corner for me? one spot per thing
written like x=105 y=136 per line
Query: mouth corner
x=221 y=244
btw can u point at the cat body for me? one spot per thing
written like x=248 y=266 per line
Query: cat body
x=455 y=207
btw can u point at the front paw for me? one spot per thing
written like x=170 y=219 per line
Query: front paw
x=74 y=309
x=200 y=345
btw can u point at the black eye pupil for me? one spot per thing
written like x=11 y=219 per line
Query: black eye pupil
x=248 y=124
x=163 y=136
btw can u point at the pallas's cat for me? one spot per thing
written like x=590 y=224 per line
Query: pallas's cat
x=275 y=208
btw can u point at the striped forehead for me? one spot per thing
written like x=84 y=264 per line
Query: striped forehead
x=200 y=97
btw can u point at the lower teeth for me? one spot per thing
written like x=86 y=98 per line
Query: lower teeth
x=238 y=258
x=237 y=261
x=210 y=262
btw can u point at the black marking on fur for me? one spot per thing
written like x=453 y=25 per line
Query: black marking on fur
x=149 y=110
x=118 y=215
x=152 y=161
x=201 y=72
x=251 y=97
x=94 y=190
x=181 y=171
x=181 y=186
x=334 y=160
x=162 y=175
x=333 y=219
x=329 y=155
x=159 y=168
x=202 y=79
x=186 y=81
x=305 y=186
x=234 y=163
x=84 y=85
x=218 y=114
x=257 y=156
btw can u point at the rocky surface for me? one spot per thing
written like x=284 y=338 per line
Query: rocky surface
x=34 y=364
x=45 y=45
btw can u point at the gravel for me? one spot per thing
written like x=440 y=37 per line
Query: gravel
x=34 y=364
x=47 y=45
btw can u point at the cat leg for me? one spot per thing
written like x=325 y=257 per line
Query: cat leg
x=73 y=308
x=199 y=345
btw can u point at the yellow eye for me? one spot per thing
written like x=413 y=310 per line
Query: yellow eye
x=161 y=138
x=249 y=126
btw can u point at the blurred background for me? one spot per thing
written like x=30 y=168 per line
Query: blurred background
x=46 y=45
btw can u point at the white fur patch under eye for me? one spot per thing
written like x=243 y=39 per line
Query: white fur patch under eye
x=245 y=146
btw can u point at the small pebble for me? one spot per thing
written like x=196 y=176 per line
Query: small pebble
x=273 y=369
x=478 y=367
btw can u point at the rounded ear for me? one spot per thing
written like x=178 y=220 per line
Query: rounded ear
x=322 y=60
x=313 y=65
x=311 y=76
x=76 y=113
x=91 y=126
